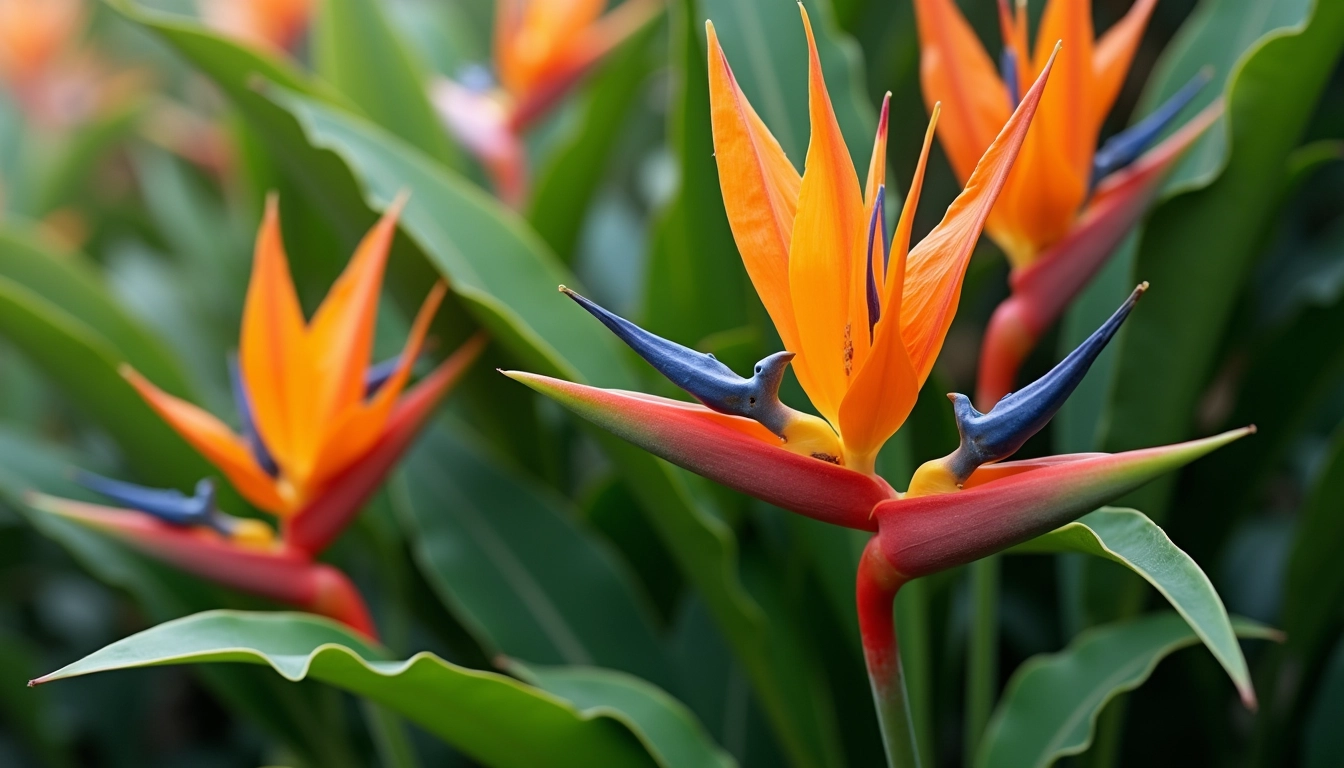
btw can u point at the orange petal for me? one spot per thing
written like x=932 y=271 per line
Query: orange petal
x=955 y=69
x=340 y=338
x=937 y=265
x=327 y=514
x=861 y=335
x=271 y=348
x=900 y=241
x=1113 y=54
x=1040 y=202
x=530 y=34
x=216 y=442
x=362 y=425
x=877 y=166
x=886 y=385
x=760 y=192
x=579 y=54
x=1066 y=111
x=825 y=249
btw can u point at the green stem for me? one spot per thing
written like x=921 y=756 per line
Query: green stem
x=876 y=586
x=982 y=673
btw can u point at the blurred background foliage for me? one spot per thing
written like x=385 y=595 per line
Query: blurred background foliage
x=131 y=184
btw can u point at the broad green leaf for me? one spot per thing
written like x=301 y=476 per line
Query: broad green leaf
x=84 y=365
x=292 y=717
x=1219 y=36
x=68 y=281
x=1314 y=588
x=1232 y=482
x=1052 y=702
x=238 y=70
x=765 y=43
x=1197 y=248
x=64 y=172
x=568 y=179
x=1323 y=741
x=357 y=50
x=663 y=725
x=495 y=719
x=490 y=257
x=512 y=565
x=696 y=284
x=1128 y=537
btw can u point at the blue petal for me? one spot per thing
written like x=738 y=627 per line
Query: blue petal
x=1125 y=147
x=701 y=375
x=243 y=402
x=987 y=437
x=877 y=226
x=167 y=504
x=1008 y=71
x=378 y=375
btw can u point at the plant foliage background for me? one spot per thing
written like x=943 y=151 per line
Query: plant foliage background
x=651 y=617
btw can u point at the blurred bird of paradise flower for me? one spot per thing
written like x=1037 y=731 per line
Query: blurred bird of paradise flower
x=542 y=49
x=1067 y=204
x=320 y=430
x=276 y=24
x=56 y=81
x=863 y=322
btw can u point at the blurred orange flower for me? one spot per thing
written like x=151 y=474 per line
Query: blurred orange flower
x=273 y=23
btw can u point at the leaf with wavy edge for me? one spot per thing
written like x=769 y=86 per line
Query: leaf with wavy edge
x=491 y=717
x=1052 y=702
x=1128 y=537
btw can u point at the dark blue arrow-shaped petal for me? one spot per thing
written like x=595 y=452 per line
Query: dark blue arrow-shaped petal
x=242 y=401
x=988 y=437
x=1125 y=147
x=701 y=375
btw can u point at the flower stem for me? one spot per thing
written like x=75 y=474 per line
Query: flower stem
x=982 y=651
x=876 y=586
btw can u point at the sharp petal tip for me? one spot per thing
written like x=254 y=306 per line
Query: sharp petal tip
x=1248 y=698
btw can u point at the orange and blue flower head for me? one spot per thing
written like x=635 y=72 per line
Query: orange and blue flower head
x=542 y=49
x=1067 y=204
x=320 y=428
x=862 y=316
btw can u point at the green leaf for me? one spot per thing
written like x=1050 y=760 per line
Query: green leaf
x=1129 y=538
x=84 y=365
x=357 y=50
x=1323 y=741
x=512 y=565
x=293 y=717
x=1052 y=702
x=68 y=281
x=696 y=284
x=1198 y=248
x=492 y=718
x=1219 y=36
x=570 y=176
x=490 y=257
x=1314 y=588
x=663 y=725
x=237 y=70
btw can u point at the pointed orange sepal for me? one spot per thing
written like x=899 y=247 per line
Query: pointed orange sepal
x=325 y=516
x=955 y=69
x=216 y=442
x=826 y=250
x=937 y=265
x=760 y=193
